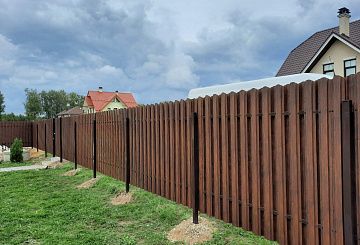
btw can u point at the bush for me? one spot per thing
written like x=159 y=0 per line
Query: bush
x=16 y=151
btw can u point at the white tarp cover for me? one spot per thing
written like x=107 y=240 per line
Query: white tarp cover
x=254 y=84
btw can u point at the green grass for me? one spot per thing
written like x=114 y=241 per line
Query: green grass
x=14 y=164
x=42 y=207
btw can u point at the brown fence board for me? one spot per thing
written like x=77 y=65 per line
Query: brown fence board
x=243 y=161
x=208 y=156
x=267 y=163
x=295 y=234
x=224 y=157
x=279 y=175
x=234 y=167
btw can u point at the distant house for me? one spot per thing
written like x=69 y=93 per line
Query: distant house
x=334 y=51
x=100 y=100
x=71 y=112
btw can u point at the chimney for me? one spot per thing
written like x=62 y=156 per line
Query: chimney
x=344 y=17
x=100 y=89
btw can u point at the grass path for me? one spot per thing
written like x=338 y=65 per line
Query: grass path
x=42 y=207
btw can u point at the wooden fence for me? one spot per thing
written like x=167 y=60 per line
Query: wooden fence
x=11 y=130
x=274 y=161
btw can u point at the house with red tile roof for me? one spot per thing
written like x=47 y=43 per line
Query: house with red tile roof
x=96 y=101
x=334 y=51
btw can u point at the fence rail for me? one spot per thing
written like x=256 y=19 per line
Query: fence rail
x=270 y=160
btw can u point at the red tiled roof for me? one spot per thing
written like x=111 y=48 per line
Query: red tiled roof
x=88 y=101
x=100 y=99
x=302 y=54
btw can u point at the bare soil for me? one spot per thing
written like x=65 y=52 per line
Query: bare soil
x=71 y=172
x=190 y=233
x=88 y=184
x=121 y=198
x=56 y=164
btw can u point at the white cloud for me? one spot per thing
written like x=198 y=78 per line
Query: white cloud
x=156 y=49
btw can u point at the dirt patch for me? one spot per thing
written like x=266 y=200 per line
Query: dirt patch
x=35 y=154
x=125 y=223
x=30 y=242
x=190 y=233
x=71 y=172
x=121 y=198
x=88 y=184
x=55 y=164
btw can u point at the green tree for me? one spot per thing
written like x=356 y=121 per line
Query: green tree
x=33 y=107
x=16 y=151
x=13 y=117
x=2 y=104
x=53 y=102
x=48 y=104
x=75 y=99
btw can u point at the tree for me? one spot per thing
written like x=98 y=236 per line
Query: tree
x=75 y=100
x=13 y=117
x=53 y=102
x=33 y=107
x=48 y=104
x=2 y=104
x=16 y=151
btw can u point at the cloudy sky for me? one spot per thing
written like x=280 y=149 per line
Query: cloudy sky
x=156 y=49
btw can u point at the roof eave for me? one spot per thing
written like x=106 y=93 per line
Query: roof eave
x=326 y=45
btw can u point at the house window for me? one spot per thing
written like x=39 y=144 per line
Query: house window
x=328 y=69
x=349 y=67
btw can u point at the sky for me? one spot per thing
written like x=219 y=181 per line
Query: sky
x=157 y=49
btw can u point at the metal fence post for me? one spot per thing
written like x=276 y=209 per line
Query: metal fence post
x=61 y=146
x=32 y=135
x=45 y=142
x=37 y=137
x=54 y=138
x=195 y=182
x=127 y=166
x=348 y=172
x=75 y=145
x=94 y=148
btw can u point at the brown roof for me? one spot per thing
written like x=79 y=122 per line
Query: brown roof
x=302 y=54
x=100 y=99
x=72 y=111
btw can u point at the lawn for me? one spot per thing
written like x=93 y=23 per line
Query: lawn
x=43 y=207
x=14 y=164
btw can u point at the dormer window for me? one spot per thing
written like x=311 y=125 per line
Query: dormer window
x=328 y=69
x=349 y=67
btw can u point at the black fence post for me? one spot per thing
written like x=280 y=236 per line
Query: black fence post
x=32 y=135
x=94 y=148
x=61 y=145
x=54 y=138
x=75 y=145
x=195 y=182
x=348 y=172
x=45 y=142
x=127 y=167
x=37 y=137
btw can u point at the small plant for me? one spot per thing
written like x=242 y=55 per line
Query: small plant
x=16 y=151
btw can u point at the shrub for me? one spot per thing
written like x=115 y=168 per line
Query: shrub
x=16 y=151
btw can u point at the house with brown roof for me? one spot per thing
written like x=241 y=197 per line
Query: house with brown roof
x=100 y=100
x=334 y=51
x=77 y=110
